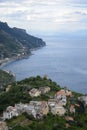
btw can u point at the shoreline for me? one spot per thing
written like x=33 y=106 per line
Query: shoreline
x=10 y=60
x=7 y=61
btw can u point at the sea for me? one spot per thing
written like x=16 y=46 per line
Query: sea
x=64 y=60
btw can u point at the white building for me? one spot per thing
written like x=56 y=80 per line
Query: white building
x=58 y=110
x=41 y=108
x=30 y=110
x=10 y=112
x=61 y=95
x=34 y=92
x=20 y=107
x=44 y=89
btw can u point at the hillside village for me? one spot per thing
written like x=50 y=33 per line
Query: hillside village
x=40 y=108
x=61 y=103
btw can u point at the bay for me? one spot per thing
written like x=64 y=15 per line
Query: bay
x=64 y=60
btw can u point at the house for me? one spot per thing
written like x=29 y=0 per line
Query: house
x=20 y=107
x=61 y=95
x=10 y=112
x=30 y=110
x=52 y=102
x=40 y=108
x=58 y=110
x=44 y=89
x=68 y=93
x=64 y=92
x=34 y=92
x=56 y=107
x=35 y=108
x=45 y=108
x=3 y=126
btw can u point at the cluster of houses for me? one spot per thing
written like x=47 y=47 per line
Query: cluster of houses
x=57 y=104
x=37 y=92
x=40 y=108
x=37 y=109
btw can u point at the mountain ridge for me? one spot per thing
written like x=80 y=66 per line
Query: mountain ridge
x=16 y=41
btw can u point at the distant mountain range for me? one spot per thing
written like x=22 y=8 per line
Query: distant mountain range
x=15 y=41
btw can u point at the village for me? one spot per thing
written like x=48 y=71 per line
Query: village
x=39 y=109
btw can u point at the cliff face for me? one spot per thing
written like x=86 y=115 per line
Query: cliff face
x=14 y=41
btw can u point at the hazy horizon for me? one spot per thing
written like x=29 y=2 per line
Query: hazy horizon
x=45 y=16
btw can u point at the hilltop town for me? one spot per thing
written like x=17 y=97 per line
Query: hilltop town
x=44 y=99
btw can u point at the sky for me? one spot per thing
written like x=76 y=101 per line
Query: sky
x=45 y=15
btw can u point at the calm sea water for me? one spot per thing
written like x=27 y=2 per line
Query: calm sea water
x=63 y=60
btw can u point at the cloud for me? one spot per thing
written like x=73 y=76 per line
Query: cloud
x=45 y=14
x=3 y=1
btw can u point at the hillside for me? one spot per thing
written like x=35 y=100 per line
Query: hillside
x=19 y=94
x=6 y=78
x=20 y=91
x=15 y=41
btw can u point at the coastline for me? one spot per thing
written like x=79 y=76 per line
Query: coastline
x=35 y=65
x=13 y=59
x=7 y=62
x=10 y=60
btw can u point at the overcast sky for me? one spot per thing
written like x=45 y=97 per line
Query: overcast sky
x=45 y=15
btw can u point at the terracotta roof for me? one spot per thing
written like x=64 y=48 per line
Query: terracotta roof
x=64 y=92
x=61 y=92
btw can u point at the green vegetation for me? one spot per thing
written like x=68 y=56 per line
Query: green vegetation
x=49 y=122
x=19 y=92
x=8 y=45
x=16 y=94
x=20 y=120
x=6 y=78
x=38 y=81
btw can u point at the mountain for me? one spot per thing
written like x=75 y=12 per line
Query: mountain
x=16 y=41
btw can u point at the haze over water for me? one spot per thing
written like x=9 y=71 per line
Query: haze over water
x=64 y=60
